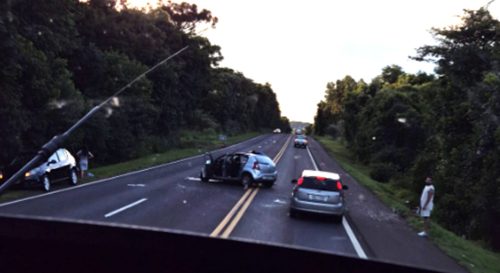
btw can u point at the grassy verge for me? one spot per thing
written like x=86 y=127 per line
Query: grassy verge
x=192 y=143
x=468 y=253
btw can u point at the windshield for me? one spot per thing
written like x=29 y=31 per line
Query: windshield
x=319 y=184
x=145 y=99
x=264 y=160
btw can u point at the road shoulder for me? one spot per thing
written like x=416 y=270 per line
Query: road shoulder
x=384 y=235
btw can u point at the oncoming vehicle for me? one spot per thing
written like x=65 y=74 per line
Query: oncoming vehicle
x=249 y=168
x=298 y=131
x=318 y=192
x=277 y=131
x=300 y=141
x=60 y=166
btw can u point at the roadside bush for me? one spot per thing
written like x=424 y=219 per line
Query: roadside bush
x=382 y=172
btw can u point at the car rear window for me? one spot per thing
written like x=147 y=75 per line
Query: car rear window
x=319 y=183
x=301 y=137
x=264 y=160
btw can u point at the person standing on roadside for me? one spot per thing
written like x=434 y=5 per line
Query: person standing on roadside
x=426 y=205
x=83 y=160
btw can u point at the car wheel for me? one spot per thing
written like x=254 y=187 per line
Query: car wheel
x=247 y=181
x=73 y=177
x=45 y=183
x=203 y=177
x=293 y=213
x=338 y=218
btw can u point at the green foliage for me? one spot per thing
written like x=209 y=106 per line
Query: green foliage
x=60 y=59
x=419 y=125
x=382 y=172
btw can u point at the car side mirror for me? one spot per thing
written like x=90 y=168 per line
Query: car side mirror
x=345 y=187
x=293 y=181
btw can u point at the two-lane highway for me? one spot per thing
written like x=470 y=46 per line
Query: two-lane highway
x=171 y=196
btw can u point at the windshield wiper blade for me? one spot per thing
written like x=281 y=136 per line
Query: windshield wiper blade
x=51 y=146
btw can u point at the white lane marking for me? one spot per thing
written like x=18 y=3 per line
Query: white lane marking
x=279 y=201
x=119 y=176
x=190 y=178
x=354 y=241
x=125 y=207
x=312 y=158
x=136 y=185
x=193 y=178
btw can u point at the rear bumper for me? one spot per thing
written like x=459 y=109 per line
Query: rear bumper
x=265 y=177
x=316 y=207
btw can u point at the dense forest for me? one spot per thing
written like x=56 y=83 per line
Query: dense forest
x=446 y=125
x=60 y=58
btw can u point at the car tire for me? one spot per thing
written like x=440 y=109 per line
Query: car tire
x=203 y=178
x=293 y=213
x=246 y=180
x=45 y=183
x=73 y=177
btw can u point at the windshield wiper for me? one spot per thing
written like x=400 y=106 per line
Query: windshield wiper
x=51 y=146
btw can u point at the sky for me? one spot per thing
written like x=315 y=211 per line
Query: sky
x=300 y=46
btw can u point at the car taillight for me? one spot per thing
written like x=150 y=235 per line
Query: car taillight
x=300 y=181
x=339 y=185
x=319 y=178
x=256 y=165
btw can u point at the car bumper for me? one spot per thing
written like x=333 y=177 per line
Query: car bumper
x=316 y=207
x=266 y=177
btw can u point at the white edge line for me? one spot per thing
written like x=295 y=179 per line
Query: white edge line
x=125 y=207
x=118 y=176
x=354 y=241
x=312 y=158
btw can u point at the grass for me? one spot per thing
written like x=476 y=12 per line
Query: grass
x=191 y=143
x=468 y=253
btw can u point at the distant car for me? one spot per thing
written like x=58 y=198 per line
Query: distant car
x=247 y=168
x=318 y=192
x=277 y=131
x=300 y=141
x=60 y=166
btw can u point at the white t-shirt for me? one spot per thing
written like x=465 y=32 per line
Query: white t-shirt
x=423 y=197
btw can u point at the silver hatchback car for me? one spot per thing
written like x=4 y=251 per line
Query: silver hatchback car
x=318 y=192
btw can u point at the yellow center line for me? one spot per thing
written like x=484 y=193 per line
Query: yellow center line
x=228 y=217
x=246 y=201
x=235 y=221
x=282 y=151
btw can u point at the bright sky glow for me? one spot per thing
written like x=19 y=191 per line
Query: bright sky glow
x=300 y=46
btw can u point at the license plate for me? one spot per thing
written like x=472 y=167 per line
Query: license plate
x=318 y=198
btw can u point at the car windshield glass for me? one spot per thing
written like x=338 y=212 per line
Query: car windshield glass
x=319 y=184
x=264 y=160
x=386 y=94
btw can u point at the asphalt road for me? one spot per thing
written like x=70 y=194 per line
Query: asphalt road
x=171 y=196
